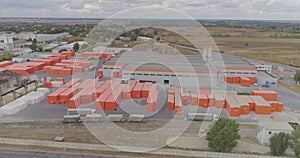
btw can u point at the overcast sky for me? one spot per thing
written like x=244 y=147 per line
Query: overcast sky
x=199 y=9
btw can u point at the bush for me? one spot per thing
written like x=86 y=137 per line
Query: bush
x=279 y=142
x=223 y=135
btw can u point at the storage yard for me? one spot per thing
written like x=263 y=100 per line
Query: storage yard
x=139 y=94
x=128 y=78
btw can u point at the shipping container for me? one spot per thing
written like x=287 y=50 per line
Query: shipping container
x=261 y=105
x=202 y=100
x=21 y=70
x=232 y=106
x=194 y=99
x=151 y=103
x=245 y=81
x=206 y=92
x=274 y=105
x=171 y=101
x=65 y=96
x=72 y=82
x=186 y=98
x=211 y=100
x=243 y=102
x=229 y=79
x=113 y=101
x=136 y=93
x=146 y=89
x=267 y=95
x=235 y=79
x=280 y=107
x=126 y=94
x=68 y=54
x=178 y=103
x=60 y=80
x=219 y=101
x=53 y=98
x=5 y=63
x=66 y=72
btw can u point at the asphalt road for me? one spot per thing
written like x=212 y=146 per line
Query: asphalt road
x=36 y=154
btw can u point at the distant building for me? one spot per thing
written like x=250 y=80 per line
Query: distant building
x=267 y=129
x=264 y=78
x=145 y=39
x=261 y=66
x=26 y=57
x=69 y=47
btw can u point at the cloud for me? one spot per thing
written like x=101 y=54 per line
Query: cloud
x=229 y=9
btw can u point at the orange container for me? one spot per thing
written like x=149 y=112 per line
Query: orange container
x=185 y=98
x=21 y=70
x=100 y=72
x=65 y=96
x=274 y=106
x=146 y=89
x=171 y=92
x=126 y=94
x=36 y=65
x=60 y=80
x=202 y=100
x=261 y=105
x=229 y=79
x=66 y=72
x=171 y=101
x=5 y=63
x=69 y=54
x=245 y=81
x=136 y=93
x=211 y=100
x=178 y=102
x=232 y=106
x=194 y=99
x=219 y=101
x=252 y=80
x=53 y=98
x=243 y=101
x=236 y=79
x=151 y=101
x=206 y=92
x=71 y=83
x=267 y=95
x=280 y=107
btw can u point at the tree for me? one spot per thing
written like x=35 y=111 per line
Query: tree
x=33 y=47
x=295 y=142
x=223 y=135
x=76 y=47
x=297 y=77
x=279 y=142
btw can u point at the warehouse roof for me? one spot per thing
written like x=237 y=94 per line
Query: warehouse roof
x=276 y=126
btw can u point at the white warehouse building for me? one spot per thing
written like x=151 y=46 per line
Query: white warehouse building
x=268 y=129
x=175 y=70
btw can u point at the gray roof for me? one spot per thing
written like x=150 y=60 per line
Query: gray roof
x=283 y=126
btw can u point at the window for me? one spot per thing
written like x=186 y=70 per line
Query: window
x=146 y=74
x=132 y=73
x=270 y=132
x=159 y=75
x=139 y=74
x=105 y=68
x=166 y=75
x=246 y=72
x=232 y=72
x=173 y=75
x=166 y=81
x=152 y=74
x=239 y=72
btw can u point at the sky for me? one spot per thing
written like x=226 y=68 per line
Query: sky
x=198 y=9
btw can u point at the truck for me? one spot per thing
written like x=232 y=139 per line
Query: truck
x=81 y=112
x=202 y=117
x=72 y=119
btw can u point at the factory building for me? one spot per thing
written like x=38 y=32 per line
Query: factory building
x=261 y=66
x=176 y=70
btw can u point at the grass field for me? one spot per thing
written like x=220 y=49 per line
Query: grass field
x=294 y=88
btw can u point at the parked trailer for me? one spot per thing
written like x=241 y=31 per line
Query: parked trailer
x=115 y=117
x=81 y=112
x=136 y=118
x=72 y=119
x=93 y=117
x=201 y=117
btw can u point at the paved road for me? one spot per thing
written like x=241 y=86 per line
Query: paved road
x=36 y=154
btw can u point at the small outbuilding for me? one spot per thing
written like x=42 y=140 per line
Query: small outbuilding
x=267 y=129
